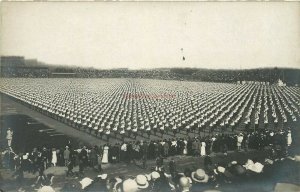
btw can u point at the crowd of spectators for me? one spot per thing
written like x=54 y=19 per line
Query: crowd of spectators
x=139 y=152
x=270 y=75
x=169 y=178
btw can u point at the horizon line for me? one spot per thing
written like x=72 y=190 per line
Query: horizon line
x=43 y=63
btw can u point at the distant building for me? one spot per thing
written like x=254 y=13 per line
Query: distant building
x=12 y=61
x=18 y=66
x=31 y=62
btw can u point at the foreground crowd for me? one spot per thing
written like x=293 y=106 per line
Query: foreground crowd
x=138 y=152
x=213 y=176
x=165 y=176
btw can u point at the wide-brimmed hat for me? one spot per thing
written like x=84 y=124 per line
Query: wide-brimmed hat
x=142 y=182
x=155 y=175
x=46 y=189
x=220 y=169
x=199 y=176
x=233 y=162
x=269 y=161
x=297 y=158
x=256 y=167
x=184 y=183
x=282 y=187
x=85 y=182
x=102 y=176
x=130 y=185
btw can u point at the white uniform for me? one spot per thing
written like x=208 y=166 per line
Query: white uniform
x=54 y=158
x=9 y=135
x=105 y=155
x=203 y=150
x=289 y=139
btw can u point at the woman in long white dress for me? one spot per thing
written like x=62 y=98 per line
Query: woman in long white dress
x=289 y=138
x=54 y=157
x=185 y=147
x=105 y=154
x=203 y=150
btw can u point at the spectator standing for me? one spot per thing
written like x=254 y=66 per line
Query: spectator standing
x=289 y=138
x=203 y=148
x=194 y=147
x=19 y=174
x=67 y=155
x=93 y=157
x=166 y=148
x=172 y=167
x=70 y=166
x=54 y=157
x=239 y=141
x=105 y=154
x=9 y=136
x=83 y=159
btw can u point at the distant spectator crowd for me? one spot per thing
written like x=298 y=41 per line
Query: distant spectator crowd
x=191 y=74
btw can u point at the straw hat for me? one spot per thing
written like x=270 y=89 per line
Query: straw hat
x=184 y=183
x=130 y=185
x=297 y=158
x=233 y=162
x=155 y=175
x=282 y=187
x=103 y=176
x=46 y=189
x=85 y=182
x=221 y=169
x=142 y=182
x=256 y=167
x=200 y=176
x=269 y=161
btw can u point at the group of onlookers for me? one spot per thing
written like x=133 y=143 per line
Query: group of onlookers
x=143 y=150
x=138 y=152
x=212 y=176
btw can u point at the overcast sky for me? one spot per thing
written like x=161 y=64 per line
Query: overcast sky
x=151 y=35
